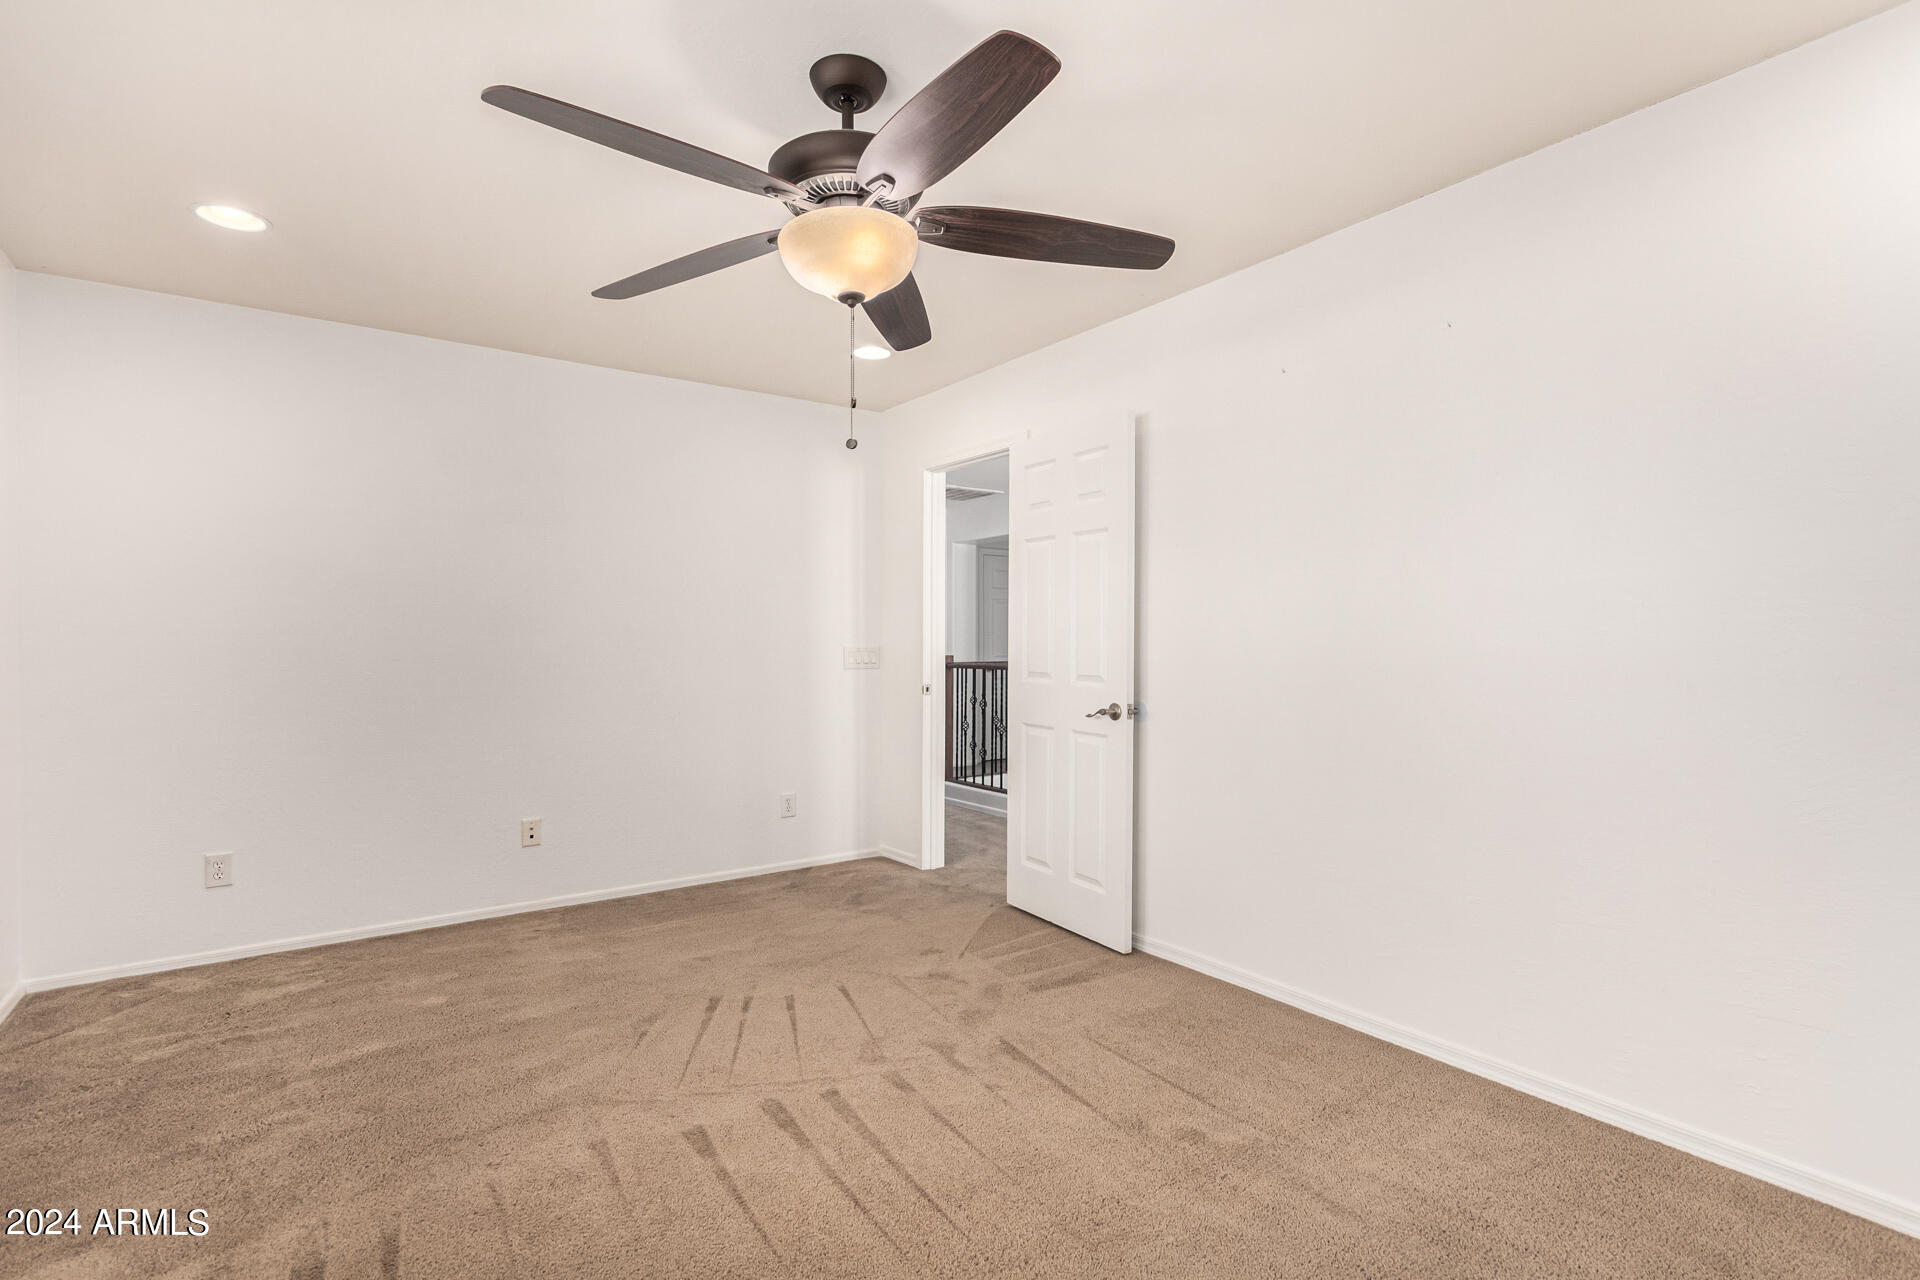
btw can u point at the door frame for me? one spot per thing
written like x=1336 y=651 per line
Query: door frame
x=933 y=640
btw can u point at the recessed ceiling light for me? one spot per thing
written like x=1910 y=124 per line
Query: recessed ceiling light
x=872 y=353
x=225 y=215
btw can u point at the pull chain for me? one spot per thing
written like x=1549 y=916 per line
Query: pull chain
x=852 y=402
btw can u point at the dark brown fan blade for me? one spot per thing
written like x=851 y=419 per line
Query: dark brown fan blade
x=954 y=116
x=694 y=264
x=636 y=141
x=901 y=316
x=1041 y=237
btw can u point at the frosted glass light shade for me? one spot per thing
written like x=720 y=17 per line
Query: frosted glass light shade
x=846 y=249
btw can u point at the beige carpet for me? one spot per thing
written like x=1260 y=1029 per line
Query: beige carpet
x=856 y=1070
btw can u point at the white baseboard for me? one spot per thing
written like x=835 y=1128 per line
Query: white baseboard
x=423 y=922
x=11 y=1000
x=899 y=855
x=956 y=796
x=1838 y=1192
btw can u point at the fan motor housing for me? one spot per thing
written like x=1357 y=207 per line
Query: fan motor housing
x=822 y=165
x=812 y=155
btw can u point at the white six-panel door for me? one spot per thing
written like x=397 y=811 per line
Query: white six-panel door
x=1070 y=653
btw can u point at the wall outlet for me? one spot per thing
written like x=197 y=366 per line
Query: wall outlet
x=862 y=655
x=217 y=869
x=789 y=804
x=529 y=832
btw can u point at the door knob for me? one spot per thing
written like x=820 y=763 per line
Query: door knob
x=1111 y=712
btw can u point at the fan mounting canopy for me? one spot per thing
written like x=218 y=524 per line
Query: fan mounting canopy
x=847 y=82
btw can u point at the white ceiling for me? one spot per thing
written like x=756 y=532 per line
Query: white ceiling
x=402 y=202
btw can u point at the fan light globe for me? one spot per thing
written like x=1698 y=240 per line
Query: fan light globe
x=848 y=252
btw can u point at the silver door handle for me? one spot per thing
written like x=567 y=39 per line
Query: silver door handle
x=1112 y=713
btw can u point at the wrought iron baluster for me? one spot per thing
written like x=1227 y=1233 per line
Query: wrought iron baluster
x=976 y=715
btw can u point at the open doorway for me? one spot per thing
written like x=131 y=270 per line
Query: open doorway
x=1047 y=730
x=971 y=692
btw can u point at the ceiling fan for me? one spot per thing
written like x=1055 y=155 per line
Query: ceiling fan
x=854 y=195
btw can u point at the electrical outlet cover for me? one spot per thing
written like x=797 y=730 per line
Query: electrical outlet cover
x=789 y=804
x=217 y=868
x=529 y=832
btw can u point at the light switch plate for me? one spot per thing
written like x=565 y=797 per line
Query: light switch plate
x=863 y=655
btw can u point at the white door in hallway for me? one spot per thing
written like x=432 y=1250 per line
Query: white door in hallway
x=1070 y=674
x=993 y=605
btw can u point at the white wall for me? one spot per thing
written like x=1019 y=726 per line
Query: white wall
x=351 y=604
x=1530 y=612
x=11 y=911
